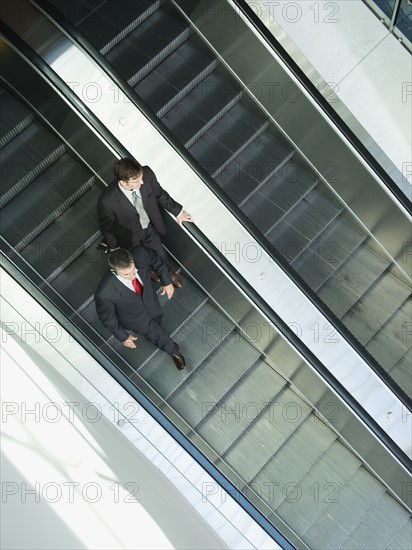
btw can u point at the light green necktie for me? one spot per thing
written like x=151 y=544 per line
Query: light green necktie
x=138 y=203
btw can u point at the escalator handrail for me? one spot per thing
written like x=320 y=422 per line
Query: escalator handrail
x=70 y=30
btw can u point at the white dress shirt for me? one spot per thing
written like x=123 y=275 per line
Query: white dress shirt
x=128 y=195
x=127 y=282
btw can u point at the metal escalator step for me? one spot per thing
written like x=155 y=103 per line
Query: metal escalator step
x=231 y=135
x=267 y=434
x=16 y=130
x=14 y=117
x=114 y=20
x=147 y=45
x=303 y=224
x=370 y=313
x=401 y=373
x=291 y=462
x=159 y=370
x=337 y=521
x=184 y=302
x=203 y=106
x=281 y=192
x=203 y=391
x=52 y=189
x=331 y=473
x=378 y=528
x=352 y=279
x=33 y=174
x=60 y=240
x=76 y=11
x=259 y=387
x=258 y=164
x=328 y=252
x=176 y=76
x=24 y=153
x=393 y=339
x=55 y=214
x=402 y=539
x=79 y=280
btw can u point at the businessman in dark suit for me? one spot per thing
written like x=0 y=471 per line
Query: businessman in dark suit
x=130 y=211
x=126 y=300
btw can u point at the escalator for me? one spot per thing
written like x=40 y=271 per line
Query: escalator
x=229 y=395
x=232 y=400
x=265 y=179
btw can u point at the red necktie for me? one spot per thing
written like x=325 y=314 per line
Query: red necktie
x=137 y=285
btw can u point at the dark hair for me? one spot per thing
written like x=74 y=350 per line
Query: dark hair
x=127 y=168
x=120 y=259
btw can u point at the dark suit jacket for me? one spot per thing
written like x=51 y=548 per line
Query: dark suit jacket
x=118 y=219
x=119 y=308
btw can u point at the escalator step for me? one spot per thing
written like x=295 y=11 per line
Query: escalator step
x=301 y=451
x=303 y=224
x=79 y=280
x=333 y=470
x=175 y=76
x=60 y=240
x=378 y=528
x=262 y=162
x=350 y=281
x=195 y=345
x=12 y=114
x=393 y=339
x=106 y=26
x=259 y=387
x=402 y=539
x=281 y=192
x=328 y=252
x=49 y=191
x=215 y=375
x=202 y=107
x=76 y=11
x=370 y=313
x=146 y=46
x=228 y=137
x=24 y=153
x=267 y=434
x=32 y=175
x=344 y=509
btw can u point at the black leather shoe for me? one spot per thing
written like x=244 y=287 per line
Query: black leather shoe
x=178 y=359
x=155 y=277
x=176 y=280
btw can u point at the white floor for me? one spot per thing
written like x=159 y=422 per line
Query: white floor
x=367 y=67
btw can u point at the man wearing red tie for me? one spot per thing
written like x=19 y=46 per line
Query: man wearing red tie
x=126 y=300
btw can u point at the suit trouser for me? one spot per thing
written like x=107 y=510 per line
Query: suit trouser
x=151 y=239
x=155 y=333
